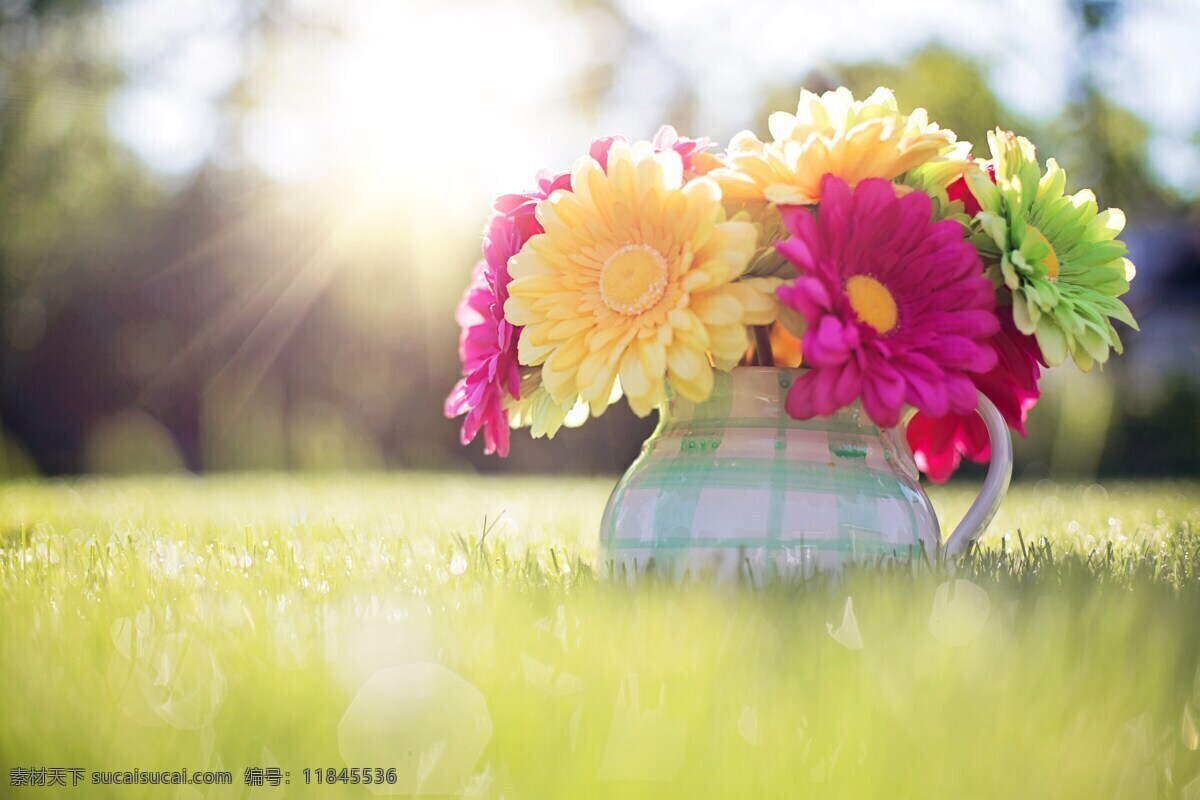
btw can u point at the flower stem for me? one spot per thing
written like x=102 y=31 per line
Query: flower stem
x=762 y=344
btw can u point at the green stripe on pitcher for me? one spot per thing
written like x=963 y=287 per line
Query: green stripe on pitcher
x=703 y=426
x=841 y=546
x=778 y=468
x=748 y=473
x=677 y=507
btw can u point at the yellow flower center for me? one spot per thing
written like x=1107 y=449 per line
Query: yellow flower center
x=873 y=303
x=1051 y=259
x=633 y=279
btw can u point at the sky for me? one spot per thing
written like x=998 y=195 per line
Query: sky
x=437 y=99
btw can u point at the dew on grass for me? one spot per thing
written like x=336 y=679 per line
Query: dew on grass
x=168 y=561
x=1081 y=641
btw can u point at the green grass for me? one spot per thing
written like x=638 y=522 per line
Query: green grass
x=241 y=621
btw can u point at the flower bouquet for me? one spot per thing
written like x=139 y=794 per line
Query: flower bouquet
x=859 y=257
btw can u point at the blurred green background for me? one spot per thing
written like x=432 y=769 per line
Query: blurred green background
x=233 y=232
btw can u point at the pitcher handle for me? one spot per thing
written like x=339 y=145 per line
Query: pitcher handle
x=995 y=485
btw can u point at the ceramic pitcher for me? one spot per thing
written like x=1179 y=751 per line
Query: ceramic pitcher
x=735 y=484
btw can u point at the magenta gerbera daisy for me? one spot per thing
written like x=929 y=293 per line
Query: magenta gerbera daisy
x=488 y=343
x=488 y=372
x=897 y=306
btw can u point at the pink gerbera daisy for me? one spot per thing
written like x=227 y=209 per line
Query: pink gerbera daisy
x=488 y=372
x=691 y=151
x=488 y=343
x=940 y=443
x=897 y=307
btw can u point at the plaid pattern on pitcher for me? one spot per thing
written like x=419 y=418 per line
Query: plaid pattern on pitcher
x=735 y=481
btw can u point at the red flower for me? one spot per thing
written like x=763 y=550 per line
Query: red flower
x=959 y=191
x=939 y=443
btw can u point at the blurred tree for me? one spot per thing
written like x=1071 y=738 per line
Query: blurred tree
x=950 y=86
x=1157 y=439
x=1103 y=144
x=1104 y=147
x=62 y=182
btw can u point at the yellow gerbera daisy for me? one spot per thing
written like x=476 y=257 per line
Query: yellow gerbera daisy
x=633 y=279
x=833 y=134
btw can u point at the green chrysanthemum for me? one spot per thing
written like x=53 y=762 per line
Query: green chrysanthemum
x=1057 y=253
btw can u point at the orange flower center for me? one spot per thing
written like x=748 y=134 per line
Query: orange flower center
x=1051 y=259
x=873 y=303
x=633 y=279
